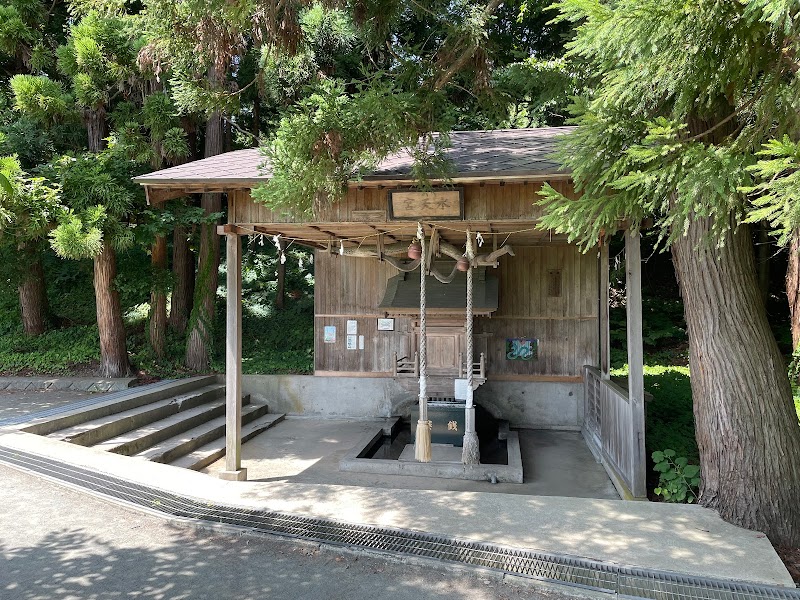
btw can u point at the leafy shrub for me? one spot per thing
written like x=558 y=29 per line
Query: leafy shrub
x=55 y=351
x=678 y=480
x=662 y=321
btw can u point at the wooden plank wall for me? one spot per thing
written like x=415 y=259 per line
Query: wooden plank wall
x=351 y=288
x=481 y=202
x=566 y=325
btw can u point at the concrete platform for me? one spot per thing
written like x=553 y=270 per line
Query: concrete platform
x=309 y=450
x=443 y=453
x=678 y=538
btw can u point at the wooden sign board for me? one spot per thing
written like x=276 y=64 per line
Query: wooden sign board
x=436 y=204
x=368 y=216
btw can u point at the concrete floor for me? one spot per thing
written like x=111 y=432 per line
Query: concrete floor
x=60 y=544
x=305 y=450
x=15 y=403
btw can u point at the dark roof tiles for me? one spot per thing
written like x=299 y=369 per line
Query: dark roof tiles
x=496 y=153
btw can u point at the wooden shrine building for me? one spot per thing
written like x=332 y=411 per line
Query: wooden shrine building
x=540 y=334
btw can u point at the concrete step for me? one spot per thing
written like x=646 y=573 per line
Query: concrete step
x=213 y=451
x=129 y=399
x=89 y=433
x=191 y=439
x=140 y=439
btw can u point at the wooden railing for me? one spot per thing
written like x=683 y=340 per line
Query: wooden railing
x=478 y=368
x=405 y=366
x=609 y=429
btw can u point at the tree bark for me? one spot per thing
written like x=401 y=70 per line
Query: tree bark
x=183 y=271
x=762 y=262
x=793 y=287
x=96 y=128
x=747 y=430
x=113 y=352
x=33 y=295
x=280 y=292
x=158 y=296
x=202 y=318
x=201 y=322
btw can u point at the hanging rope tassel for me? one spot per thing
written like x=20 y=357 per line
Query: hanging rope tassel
x=470 y=452
x=422 y=441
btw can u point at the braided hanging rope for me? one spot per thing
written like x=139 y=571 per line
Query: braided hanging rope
x=469 y=325
x=470 y=453
x=423 y=330
x=422 y=441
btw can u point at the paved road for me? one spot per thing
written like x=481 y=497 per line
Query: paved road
x=56 y=543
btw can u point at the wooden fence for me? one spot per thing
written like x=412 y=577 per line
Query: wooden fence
x=610 y=428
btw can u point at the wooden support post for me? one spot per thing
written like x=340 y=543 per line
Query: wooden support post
x=605 y=330
x=633 y=285
x=233 y=364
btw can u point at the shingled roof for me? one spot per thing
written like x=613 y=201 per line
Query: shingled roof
x=474 y=154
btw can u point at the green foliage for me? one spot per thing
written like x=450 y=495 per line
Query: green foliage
x=24 y=138
x=28 y=205
x=99 y=56
x=776 y=198
x=668 y=129
x=678 y=481
x=662 y=321
x=15 y=32
x=535 y=92
x=100 y=197
x=669 y=414
x=54 y=352
x=40 y=98
x=332 y=136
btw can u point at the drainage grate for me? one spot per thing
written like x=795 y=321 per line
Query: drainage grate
x=580 y=572
x=64 y=408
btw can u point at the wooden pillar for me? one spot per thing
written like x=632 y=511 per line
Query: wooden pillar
x=605 y=331
x=633 y=286
x=233 y=363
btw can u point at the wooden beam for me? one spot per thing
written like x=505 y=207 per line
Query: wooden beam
x=158 y=195
x=633 y=286
x=605 y=330
x=232 y=230
x=233 y=363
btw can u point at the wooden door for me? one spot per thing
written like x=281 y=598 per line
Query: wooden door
x=446 y=346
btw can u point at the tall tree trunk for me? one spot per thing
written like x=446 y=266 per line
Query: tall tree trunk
x=96 y=128
x=183 y=271
x=280 y=293
x=747 y=430
x=33 y=294
x=793 y=287
x=197 y=346
x=762 y=262
x=202 y=318
x=158 y=296
x=113 y=353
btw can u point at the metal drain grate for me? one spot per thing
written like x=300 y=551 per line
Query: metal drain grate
x=595 y=575
x=101 y=397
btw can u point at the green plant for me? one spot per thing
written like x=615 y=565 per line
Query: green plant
x=678 y=481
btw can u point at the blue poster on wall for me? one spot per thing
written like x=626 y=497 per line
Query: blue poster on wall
x=522 y=349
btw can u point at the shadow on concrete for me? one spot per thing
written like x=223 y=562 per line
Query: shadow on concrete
x=73 y=563
x=555 y=463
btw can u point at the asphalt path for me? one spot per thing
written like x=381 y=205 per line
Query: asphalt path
x=60 y=543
